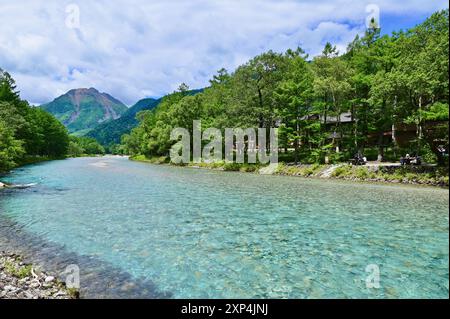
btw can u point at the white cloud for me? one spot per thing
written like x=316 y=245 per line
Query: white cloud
x=132 y=49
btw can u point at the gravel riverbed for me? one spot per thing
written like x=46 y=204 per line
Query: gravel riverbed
x=22 y=281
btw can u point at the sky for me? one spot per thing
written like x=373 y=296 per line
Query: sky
x=134 y=49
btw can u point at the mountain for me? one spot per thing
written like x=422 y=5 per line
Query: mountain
x=81 y=110
x=110 y=133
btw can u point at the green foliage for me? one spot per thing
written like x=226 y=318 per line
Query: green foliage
x=300 y=170
x=153 y=160
x=48 y=137
x=232 y=167
x=109 y=133
x=26 y=133
x=75 y=150
x=11 y=150
x=80 y=146
x=362 y=173
x=381 y=83
x=342 y=171
x=436 y=112
x=17 y=271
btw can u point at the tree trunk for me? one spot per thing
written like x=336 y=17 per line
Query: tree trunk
x=261 y=116
x=355 y=127
x=325 y=118
x=338 y=124
x=380 y=137
x=394 y=129
x=380 y=147
x=419 y=127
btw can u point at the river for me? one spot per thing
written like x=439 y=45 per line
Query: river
x=137 y=230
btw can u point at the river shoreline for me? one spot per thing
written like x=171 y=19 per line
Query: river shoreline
x=27 y=161
x=23 y=251
x=34 y=160
x=20 y=280
x=391 y=175
x=430 y=176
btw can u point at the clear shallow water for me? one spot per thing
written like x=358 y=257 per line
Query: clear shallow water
x=202 y=234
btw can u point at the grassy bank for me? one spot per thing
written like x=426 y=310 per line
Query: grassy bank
x=418 y=175
x=220 y=166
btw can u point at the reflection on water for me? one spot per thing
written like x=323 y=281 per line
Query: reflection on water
x=156 y=231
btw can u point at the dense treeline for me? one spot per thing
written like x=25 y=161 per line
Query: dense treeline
x=386 y=96
x=26 y=132
x=83 y=146
x=29 y=134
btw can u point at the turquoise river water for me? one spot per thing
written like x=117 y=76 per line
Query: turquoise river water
x=139 y=230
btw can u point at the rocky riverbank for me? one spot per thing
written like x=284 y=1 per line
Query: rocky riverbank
x=378 y=173
x=374 y=173
x=22 y=281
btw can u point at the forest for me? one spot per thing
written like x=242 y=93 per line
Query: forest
x=26 y=133
x=385 y=97
x=30 y=134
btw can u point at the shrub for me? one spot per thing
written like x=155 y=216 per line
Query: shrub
x=342 y=171
x=362 y=173
x=249 y=168
x=311 y=170
x=373 y=175
x=411 y=176
x=19 y=272
x=281 y=168
x=232 y=167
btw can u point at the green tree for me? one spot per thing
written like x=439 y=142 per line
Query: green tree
x=11 y=150
x=27 y=131
x=332 y=88
x=294 y=96
x=79 y=146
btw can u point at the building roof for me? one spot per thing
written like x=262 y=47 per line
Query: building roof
x=345 y=117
